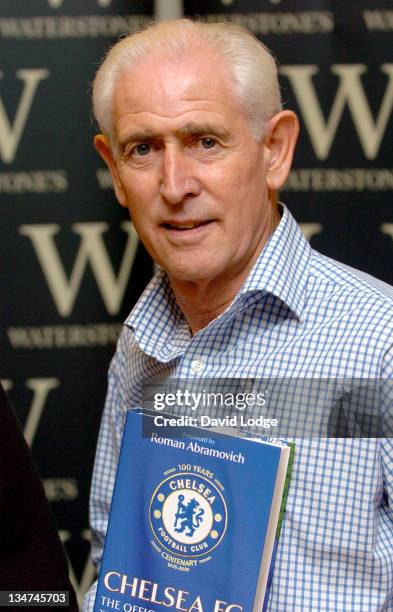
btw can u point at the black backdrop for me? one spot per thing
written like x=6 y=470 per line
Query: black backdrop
x=70 y=264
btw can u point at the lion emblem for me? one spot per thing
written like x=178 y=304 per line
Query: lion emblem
x=187 y=516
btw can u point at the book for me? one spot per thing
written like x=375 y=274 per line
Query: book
x=194 y=520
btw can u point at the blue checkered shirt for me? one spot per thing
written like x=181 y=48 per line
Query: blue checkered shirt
x=299 y=314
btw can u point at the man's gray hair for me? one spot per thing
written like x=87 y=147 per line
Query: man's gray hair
x=251 y=66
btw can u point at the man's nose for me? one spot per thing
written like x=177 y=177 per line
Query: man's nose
x=178 y=177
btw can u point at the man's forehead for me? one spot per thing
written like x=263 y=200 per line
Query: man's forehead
x=187 y=95
x=181 y=116
x=159 y=81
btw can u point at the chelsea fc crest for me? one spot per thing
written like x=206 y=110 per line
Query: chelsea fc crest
x=188 y=513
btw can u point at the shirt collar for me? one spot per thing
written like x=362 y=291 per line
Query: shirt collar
x=280 y=270
x=282 y=267
x=157 y=320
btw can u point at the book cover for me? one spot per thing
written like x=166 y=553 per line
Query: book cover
x=193 y=521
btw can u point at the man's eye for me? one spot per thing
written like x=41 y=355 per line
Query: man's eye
x=208 y=143
x=141 y=149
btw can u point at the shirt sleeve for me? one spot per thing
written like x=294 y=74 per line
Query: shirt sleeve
x=89 y=598
x=105 y=464
x=387 y=427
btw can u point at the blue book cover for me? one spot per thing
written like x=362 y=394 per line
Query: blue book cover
x=192 y=523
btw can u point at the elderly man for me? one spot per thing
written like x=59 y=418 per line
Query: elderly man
x=197 y=144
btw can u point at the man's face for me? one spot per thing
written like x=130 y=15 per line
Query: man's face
x=188 y=169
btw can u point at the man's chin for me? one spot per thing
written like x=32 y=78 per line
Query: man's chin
x=189 y=275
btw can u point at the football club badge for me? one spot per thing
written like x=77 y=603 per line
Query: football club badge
x=188 y=513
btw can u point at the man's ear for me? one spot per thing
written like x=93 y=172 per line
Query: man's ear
x=280 y=140
x=103 y=147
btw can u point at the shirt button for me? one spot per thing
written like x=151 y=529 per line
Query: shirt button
x=197 y=366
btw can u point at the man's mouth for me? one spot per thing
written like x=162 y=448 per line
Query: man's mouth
x=189 y=225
